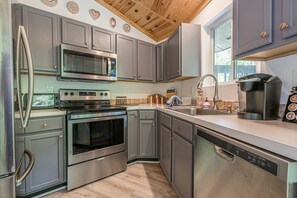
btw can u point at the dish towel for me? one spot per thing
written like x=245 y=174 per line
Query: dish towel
x=174 y=100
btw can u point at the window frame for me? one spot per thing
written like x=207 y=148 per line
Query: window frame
x=219 y=20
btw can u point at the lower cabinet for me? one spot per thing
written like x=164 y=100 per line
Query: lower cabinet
x=176 y=153
x=132 y=135
x=141 y=135
x=165 y=151
x=48 y=148
x=182 y=166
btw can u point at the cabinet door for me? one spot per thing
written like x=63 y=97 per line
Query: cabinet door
x=182 y=166
x=48 y=168
x=146 y=61
x=147 y=139
x=289 y=17
x=127 y=57
x=42 y=30
x=132 y=134
x=19 y=150
x=173 y=55
x=165 y=151
x=252 y=25
x=76 y=33
x=159 y=62
x=102 y=40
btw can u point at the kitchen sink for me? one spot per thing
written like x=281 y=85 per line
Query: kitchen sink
x=201 y=111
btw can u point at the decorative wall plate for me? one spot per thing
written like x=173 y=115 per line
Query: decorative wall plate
x=126 y=27
x=50 y=3
x=95 y=14
x=112 y=22
x=72 y=7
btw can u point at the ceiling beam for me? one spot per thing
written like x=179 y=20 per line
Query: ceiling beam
x=112 y=9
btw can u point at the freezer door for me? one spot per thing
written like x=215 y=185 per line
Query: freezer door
x=6 y=92
x=7 y=187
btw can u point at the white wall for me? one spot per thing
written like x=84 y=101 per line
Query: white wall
x=285 y=68
x=83 y=15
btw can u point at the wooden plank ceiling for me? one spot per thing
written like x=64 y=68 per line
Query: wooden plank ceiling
x=156 y=18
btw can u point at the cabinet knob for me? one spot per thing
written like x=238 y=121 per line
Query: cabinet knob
x=139 y=76
x=87 y=43
x=177 y=72
x=61 y=136
x=283 y=26
x=55 y=67
x=44 y=125
x=264 y=34
x=134 y=76
x=136 y=115
x=153 y=124
x=146 y=115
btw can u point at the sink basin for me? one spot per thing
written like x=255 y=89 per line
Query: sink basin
x=202 y=112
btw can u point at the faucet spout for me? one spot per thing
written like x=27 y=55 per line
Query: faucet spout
x=216 y=99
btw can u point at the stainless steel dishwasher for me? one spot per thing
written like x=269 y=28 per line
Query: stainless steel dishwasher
x=227 y=168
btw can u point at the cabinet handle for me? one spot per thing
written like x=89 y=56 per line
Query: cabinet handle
x=134 y=76
x=264 y=34
x=178 y=72
x=153 y=124
x=283 y=26
x=55 y=67
x=44 y=125
x=61 y=136
x=87 y=43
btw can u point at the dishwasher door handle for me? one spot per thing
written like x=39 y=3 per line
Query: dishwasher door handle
x=224 y=154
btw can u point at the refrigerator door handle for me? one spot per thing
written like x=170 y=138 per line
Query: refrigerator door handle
x=20 y=179
x=23 y=37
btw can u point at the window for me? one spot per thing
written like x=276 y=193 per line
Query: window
x=224 y=68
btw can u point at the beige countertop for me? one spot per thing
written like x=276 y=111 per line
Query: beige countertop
x=43 y=113
x=275 y=136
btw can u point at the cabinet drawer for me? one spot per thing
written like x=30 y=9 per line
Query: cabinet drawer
x=165 y=120
x=147 y=115
x=183 y=128
x=44 y=124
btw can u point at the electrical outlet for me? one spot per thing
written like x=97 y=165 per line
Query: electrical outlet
x=294 y=77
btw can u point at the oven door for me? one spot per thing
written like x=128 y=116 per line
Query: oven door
x=96 y=137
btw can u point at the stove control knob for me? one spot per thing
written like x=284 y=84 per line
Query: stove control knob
x=101 y=94
x=105 y=94
x=66 y=93
x=71 y=93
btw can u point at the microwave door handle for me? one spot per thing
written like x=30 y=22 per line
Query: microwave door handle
x=22 y=35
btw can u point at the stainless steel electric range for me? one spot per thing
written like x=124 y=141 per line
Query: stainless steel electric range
x=96 y=136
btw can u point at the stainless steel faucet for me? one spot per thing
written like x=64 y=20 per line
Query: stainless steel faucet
x=216 y=99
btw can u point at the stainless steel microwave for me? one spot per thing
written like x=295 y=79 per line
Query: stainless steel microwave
x=85 y=64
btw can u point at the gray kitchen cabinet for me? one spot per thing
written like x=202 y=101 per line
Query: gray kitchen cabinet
x=161 y=73
x=42 y=29
x=102 y=40
x=147 y=139
x=252 y=25
x=76 y=33
x=48 y=148
x=49 y=160
x=289 y=16
x=183 y=52
x=146 y=61
x=132 y=135
x=182 y=166
x=252 y=38
x=126 y=49
x=165 y=150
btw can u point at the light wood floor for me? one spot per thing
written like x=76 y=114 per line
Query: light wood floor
x=139 y=180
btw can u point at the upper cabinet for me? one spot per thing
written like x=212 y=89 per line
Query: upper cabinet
x=264 y=29
x=102 y=40
x=76 y=33
x=146 y=61
x=136 y=59
x=183 y=52
x=161 y=62
x=126 y=49
x=42 y=29
x=252 y=24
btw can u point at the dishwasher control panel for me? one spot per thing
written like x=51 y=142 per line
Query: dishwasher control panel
x=257 y=160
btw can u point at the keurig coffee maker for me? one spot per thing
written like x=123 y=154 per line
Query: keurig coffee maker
x=259 y=96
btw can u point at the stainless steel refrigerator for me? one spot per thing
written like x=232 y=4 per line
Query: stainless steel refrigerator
x=11 y=174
